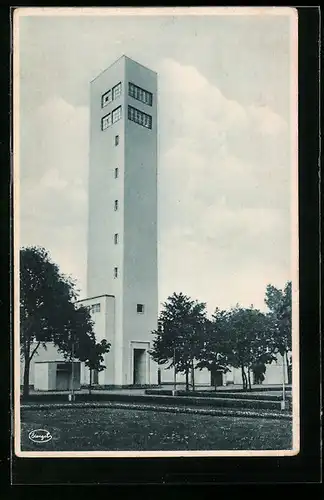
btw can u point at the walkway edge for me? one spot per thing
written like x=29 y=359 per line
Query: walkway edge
x=161 y=408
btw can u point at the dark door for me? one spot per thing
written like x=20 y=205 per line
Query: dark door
x=139 y=369
x=216 y=378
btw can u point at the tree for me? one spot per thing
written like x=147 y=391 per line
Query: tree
x=280 y=307
x=249 y=341
x=79 y=341
x=212 y=354
x=48 y=312
x=178 y=337
x=96 y=358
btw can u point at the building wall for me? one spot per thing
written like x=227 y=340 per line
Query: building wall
x=273 y=375
x=104 y=328
x=104 y=189
x=52 y=376
x=49 y=354
x=140 y=280
x=41 y=376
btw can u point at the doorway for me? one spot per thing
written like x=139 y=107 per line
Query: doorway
x=216 y=378
x=139 y=366
x=63 y=376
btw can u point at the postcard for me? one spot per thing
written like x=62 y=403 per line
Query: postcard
x=156 y=232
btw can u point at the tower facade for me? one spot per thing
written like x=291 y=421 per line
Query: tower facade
x=122 y=220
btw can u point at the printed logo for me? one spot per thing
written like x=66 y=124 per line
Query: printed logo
x=40 y=436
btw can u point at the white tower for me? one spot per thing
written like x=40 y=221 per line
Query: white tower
x=122 y=228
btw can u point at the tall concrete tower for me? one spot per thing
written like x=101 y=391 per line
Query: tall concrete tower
x=122 y=224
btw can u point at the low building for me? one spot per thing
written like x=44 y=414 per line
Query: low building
x=50 y=370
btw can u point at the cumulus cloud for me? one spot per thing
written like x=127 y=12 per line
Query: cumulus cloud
x=225 y=172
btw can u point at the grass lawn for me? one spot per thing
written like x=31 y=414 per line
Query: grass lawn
x=110 y=429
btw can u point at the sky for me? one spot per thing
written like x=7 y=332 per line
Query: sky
x=226 y=118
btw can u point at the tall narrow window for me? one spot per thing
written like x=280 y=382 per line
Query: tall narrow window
x=116 y=205
x=116 y=114
x=116 y=91
x=116 y=140
x=140 y=308
x=116 y=238
x=106 y=122
x=106 y=98
x=116 y=173
x=115 y=272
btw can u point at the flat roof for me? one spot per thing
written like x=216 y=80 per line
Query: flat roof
x=95 y=297
x=126 y=57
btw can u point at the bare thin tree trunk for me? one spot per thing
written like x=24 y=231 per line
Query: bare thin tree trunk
x=27 y=358
x=244 y=380
x=90 y=380
x=187 y=378
x=249 y=379
x=215 y=380
x=26 y=377
x=287 y=366
x=193 y=374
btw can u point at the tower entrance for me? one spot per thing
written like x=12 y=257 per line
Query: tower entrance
x=139 y=366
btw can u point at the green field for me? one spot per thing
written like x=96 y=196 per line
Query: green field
x=109 y=429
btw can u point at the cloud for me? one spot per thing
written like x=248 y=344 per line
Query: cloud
x=225 y=174
x=53 y=178
x=224 y=226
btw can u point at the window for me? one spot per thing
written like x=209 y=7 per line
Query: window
x=140 y=308
x=106 y=98
x=116 y=114
x=139 y=117
x=116 y=173
x=116 y=205
x=95 y=308
x=116 y=91
x=111 y=94
x=106 y=122
x=140 y=94
x=116 y=238
x=115 y=272
x=116 y=140
x=111 y=118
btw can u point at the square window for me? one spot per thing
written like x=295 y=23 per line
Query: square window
x=140 y=308
x=116 y=173
x=116 y=205
x=115 y=272
x=139 y=117
x=116 y=140
x=140 y=94
x=116 y=238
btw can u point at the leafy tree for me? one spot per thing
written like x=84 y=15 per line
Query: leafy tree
x=96 y=358
x=48 y=312
x=178 y=337
x=249 y=341
x=279 y=304
x=79 y=341
x=212 y=354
